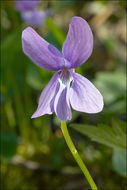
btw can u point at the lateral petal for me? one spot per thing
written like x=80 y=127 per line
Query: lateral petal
x=79 y=42
x=84 y=96
x=40 y=51
x=46 y=100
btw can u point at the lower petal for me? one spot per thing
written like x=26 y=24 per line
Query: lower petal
x=84 y=96
x=47 y=98
x=62 y=105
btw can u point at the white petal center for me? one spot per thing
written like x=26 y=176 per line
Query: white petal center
x=65 y=78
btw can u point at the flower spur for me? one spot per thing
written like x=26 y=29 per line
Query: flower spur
x=66 y=89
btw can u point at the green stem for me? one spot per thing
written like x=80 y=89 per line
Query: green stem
x=76 y=156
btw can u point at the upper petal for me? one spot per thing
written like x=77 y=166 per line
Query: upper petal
x=41 y=52
x=79 y=43
x=84 y=96
x=46 y=100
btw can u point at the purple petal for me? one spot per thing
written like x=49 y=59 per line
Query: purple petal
x=62 y=105
x=79 y=43
x=84 y=96
x=35 y=18
x=41 y=52
x=46 y=100
x=23 y=5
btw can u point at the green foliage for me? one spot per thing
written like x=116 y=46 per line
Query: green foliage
x=8 y=145
x=114 y=136
x=34 y=78
x=113 y=88
x=119 y=161
x=52 y=40
x=56 y=31
x=111 y=43
x=63 y=4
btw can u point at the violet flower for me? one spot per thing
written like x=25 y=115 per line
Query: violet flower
x=30 y=14
x=34 y=17
x=66 y=88
x=25 y=5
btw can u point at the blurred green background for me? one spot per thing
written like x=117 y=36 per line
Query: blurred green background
x=34 y=155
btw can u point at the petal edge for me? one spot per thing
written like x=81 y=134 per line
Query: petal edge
x=79 y=42
x=84 y=96
x=40 y=51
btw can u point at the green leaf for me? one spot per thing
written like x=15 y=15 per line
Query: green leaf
x=110 y=43
x=37 y=77
x=9 y=41
x=52 y=40
x=62 y=4
x=33 y=77
x=112 y=85
x=13 y=66
x=9 y=48
x=56 y=31
x=119 y=161
x=8 y=143
x=114 y=136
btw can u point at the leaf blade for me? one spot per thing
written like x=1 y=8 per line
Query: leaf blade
x=103 y=134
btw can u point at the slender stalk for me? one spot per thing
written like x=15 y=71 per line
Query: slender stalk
x=76 y=156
